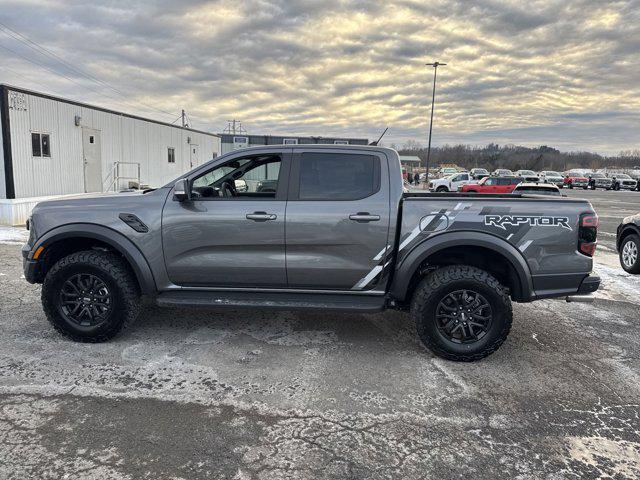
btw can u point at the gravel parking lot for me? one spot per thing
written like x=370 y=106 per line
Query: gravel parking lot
x=244 y=395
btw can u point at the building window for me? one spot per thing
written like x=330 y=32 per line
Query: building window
x=172 y=155
x=36 y=150
x=91 y=139
x=40 y=145
x=341 y=142
x=46 y=149
x=290 y=141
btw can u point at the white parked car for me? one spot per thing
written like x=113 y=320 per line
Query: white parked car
x=549 y=176
x=450 y=183
x=502 y=172
x=537 y=189
x=528 y=175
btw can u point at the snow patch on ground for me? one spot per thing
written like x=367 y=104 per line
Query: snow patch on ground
x=616 y=283
x=13 y=235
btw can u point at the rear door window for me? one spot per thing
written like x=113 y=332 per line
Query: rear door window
x=338 y=176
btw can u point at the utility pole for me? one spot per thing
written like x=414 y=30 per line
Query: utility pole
x=435 y=66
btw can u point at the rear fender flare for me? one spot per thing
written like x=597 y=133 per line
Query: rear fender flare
x=405 y=270
x=114 y=239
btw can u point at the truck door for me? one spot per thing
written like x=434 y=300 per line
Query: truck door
x=231 y=234
x=338 y=217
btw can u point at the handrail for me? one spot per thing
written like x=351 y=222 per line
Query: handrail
x=116 y=177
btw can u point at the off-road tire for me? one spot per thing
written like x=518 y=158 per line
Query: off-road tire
x=114 y=272
x=438 y=284
x=635 y=268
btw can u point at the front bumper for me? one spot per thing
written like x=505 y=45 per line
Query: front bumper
x=32 y=268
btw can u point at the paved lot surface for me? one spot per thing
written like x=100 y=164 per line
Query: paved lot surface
x=195 y=394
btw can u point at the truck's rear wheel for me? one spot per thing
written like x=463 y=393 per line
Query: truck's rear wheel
x=462 y=313
x=90 y=296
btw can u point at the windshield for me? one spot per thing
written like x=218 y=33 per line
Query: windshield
x=623 y=175
x=527 y=172
x=552 y=174
x=597 y=175
x=480 y=170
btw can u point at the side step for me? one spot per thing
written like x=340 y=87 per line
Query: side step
x=272 y=300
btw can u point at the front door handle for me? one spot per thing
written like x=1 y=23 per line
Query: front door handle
x=261 y=216
x=364 y=217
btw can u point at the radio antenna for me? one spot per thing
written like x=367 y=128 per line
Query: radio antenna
x=378 y=141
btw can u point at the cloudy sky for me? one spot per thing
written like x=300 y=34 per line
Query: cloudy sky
x=562 y=73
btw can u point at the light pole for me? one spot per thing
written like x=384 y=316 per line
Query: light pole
x=435 y=66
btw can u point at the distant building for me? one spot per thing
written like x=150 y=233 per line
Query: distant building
x=53 y=146
x=410 y=162
x=50 y=146
x=232 y=141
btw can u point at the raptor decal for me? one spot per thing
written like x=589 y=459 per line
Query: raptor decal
x=502 y=221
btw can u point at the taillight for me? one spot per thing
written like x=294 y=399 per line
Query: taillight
x=588 y=233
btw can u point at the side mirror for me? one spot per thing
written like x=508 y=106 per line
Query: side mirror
x=181 y=191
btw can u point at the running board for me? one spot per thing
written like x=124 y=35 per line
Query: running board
x=272 y=300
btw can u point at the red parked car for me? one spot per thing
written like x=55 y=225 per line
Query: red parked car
x=574 y=180
x=493 y=185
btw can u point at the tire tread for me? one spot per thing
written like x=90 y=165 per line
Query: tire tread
x=447 y=275
x=112 y=265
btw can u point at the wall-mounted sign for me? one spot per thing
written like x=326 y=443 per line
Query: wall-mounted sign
x=17 y=101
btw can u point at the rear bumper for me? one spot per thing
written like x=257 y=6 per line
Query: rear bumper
x=553 y=286
x=589 y=285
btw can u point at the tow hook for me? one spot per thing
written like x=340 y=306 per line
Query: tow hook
x=579 y=298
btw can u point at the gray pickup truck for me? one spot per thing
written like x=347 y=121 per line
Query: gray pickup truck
x=334 y=232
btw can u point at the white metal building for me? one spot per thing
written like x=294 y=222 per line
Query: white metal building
x=51 y=146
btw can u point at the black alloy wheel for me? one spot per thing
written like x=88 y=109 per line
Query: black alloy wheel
x=85 y=300
x=464 y=316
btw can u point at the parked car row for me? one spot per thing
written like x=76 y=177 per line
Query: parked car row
x=504 y=180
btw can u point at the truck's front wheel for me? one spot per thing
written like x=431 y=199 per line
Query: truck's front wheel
x=90 y=296
x=462 y=313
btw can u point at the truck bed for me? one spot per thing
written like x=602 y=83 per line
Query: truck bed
x=539 y=232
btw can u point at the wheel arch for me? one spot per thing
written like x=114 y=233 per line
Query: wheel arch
x=628 y=229
x=464 y=247
x=87 y=234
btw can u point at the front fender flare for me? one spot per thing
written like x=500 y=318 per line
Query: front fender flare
x=111 y=237
x=405 y=270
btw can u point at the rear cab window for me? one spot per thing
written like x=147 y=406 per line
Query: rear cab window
x=337 y=176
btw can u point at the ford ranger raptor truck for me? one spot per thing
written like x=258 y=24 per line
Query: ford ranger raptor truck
x=334 y=232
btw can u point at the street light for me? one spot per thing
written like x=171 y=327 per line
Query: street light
x=435 y=66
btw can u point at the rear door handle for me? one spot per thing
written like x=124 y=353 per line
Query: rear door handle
x=364 y=217
x=261 y=216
